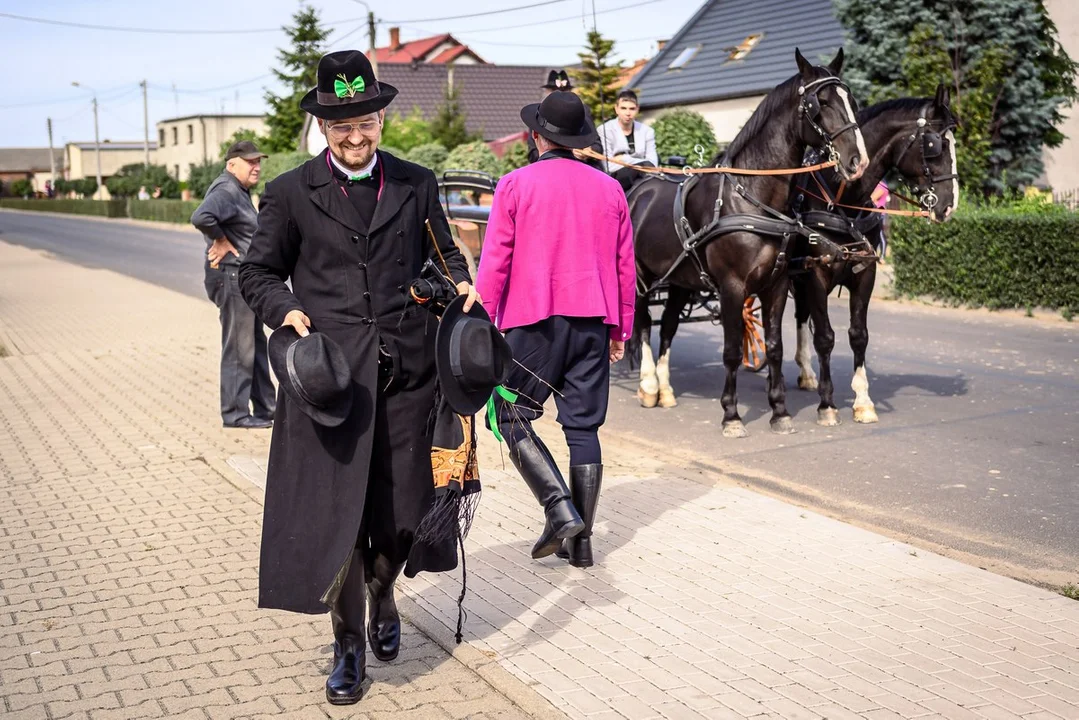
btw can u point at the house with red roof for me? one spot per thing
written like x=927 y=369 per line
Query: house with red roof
x=436 y=50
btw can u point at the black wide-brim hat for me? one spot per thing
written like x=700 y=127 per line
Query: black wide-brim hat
x=314 y=373
x=471 y=356
x=346 y=88
x=557 y=80
x=561 y=118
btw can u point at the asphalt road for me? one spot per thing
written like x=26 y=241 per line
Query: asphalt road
x=976 y=453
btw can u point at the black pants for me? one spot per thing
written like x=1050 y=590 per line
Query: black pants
x=245 y=370
x=572 y=355
x=626 y=176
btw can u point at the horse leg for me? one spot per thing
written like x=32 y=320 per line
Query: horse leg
x=807 y=379
x=824 y=343
x=648 y=390
x=672 y=314
x=773 y=302
x=862 y=290
x=732 y=298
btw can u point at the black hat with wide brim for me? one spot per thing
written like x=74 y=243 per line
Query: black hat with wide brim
x=561 y=118
x=557 y=80
x=471 y=356
x=314 y=373
x=346 y=88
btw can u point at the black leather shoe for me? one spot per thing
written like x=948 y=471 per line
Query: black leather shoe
x=384 y=624
x=344 y=686
x=532 y=459
x=585 y=482
x=249 y=422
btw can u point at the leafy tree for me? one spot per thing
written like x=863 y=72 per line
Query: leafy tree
x=430 y=155
x=448 y=127
x=1002 y=60
x=277 y=164
x=86 y=187
x=200 y=176
x=515 y=156
x=474 y=156
x=299 y=73
x=406 y=133
x=597 y=76
x=679 y=132
x=22 y=188
x=241 y=135
x=127 y=181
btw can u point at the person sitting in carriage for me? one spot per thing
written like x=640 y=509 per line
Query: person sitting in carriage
x=628 y=141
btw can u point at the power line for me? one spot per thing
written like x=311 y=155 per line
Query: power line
x=474 y=15
x=104 y=96
x=156 y=31
x=204 y=91
x=555 y=20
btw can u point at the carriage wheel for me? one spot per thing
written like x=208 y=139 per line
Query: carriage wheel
x=753 y=351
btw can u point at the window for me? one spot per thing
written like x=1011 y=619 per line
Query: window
x=190 y=134
x=176 y=171
x=175 y=135
x=684 y=57
x=742 y=49
x=161 y=137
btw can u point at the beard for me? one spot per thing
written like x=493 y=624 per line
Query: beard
x=354 y=157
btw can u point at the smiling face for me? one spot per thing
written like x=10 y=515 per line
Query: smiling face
x=353 y=141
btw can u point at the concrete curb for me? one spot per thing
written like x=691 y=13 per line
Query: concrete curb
x=181 y=227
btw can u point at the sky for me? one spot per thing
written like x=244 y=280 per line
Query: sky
x=198 y=72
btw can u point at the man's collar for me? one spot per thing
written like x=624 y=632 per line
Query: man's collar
x=555 y=153
x=350 y=174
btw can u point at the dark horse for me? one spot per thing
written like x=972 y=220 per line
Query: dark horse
x=813 y=108
x=913 y=137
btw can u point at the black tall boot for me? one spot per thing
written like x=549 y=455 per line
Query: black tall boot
x=532 y=459
x=584 y=483
x=344 y=686
x=384 y=626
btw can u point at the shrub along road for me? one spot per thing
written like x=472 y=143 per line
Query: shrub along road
x=975 y=454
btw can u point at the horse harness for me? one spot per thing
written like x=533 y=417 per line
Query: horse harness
x=932 y=144
x=770 y=222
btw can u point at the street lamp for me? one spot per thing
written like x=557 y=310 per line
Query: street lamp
x=97 y=141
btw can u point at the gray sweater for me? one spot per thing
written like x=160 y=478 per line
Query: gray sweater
x=227 y=212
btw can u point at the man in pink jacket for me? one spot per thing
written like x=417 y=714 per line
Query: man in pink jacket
x=557 y=271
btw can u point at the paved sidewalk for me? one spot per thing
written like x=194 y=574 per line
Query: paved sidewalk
x=127 y=568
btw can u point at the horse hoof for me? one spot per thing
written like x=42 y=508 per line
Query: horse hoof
x=666 y=398
x=865 y=415
x=648 y=400
x=828 y=417
x=807 y=383
x=735 y=429
x=783 y=425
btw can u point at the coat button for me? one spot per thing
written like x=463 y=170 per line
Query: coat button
x=367 y=296
x=355 y=238
x=400 y=288
x=400 y=261
x=400 y=233
x=361 y=266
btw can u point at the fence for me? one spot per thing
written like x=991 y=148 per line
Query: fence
x=1067 y=198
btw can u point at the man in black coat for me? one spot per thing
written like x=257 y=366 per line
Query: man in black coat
x=348 y=228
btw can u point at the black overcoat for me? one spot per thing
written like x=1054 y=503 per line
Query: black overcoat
x=352 y=282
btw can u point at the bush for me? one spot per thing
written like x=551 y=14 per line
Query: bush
x=85 y=187
x=431 y=155
x=276 y=165
x=100 y=208
x=200 y=176
x=474 y=156
x=127 y=181
x=173 y=211
x=998 y=255
x=680 y=131
x=516 y=156
x=408 y=132
x=22 y=188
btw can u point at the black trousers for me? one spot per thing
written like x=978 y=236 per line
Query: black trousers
x=626 y=176
x=245 y=370
x=572 y=356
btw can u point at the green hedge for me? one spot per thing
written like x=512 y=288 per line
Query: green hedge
x=173 y=211
x=1025 y=255
x=101 y=208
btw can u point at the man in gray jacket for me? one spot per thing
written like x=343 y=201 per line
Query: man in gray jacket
x=228 y=219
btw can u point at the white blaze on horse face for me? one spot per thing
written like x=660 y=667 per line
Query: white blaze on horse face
x=663 y=370
x=950 y=136
x=860 y=385
x=851 y=117
x=649 y=382
x=808 y=378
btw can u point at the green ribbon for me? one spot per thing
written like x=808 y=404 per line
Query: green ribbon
x=344 y=88
x=492 y=416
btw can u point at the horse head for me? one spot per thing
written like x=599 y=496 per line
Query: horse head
x=928 y=164
x=827 y=111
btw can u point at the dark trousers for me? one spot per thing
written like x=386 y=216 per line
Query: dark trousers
x=245 y=370
x=572 y=356
x=626 y=176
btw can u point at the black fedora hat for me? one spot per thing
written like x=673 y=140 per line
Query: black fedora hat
x=557 y=80
x=346 y=88
x=561 y=118
x=471 y=356
x=314 y=372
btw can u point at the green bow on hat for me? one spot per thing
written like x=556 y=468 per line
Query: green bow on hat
x=343 y=88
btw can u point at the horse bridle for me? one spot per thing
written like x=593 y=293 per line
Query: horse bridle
x=809 y=107
x=932 y=146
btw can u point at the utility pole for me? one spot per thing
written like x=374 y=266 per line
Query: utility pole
x=52 y=157
x=145 y=123
x=97 y=147
x=371 y=41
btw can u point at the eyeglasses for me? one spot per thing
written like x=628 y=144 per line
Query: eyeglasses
x=343 y=130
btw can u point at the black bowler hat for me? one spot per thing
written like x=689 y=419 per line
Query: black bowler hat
x=557 y=80
x=346 y=88
x=471 y=356
x=561 y=118
x=313 y=372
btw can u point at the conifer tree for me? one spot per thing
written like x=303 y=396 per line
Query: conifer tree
x=299 y=72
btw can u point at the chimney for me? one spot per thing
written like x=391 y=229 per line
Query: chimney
x=395 y=38
x=660 y=44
